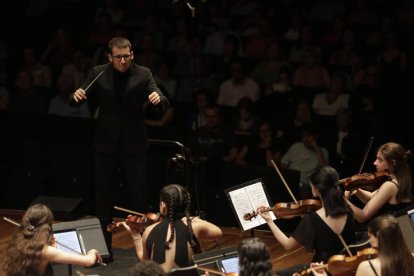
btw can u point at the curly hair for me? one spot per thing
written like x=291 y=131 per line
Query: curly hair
x=24 y=250
x=254 y=259
x=178 y=201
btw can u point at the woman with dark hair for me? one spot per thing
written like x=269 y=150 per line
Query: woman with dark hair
x=32 y=248
x=393 y=195
x=394 y=257
x=320 y=231
x=254 y=259
x=173 y=240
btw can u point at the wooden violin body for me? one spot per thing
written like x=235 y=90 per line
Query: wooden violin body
x=342 y=265
x=138 y=223
x=290 y=209
x=369 y=181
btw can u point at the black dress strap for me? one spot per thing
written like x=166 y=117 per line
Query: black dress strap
x=372 y=267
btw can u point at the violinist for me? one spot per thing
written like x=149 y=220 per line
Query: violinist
x=173 y=240
x=306 y=156
x=32 y=248
x=394 y=257
x=393 y=195
x=319 y=231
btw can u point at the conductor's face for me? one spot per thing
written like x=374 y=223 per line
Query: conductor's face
x=121 y=58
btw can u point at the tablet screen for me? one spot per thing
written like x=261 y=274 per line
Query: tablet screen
x=229 y=265
x=411 y=216
x=68 y=241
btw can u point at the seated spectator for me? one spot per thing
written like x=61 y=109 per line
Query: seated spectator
x=41 y=73
x=59 y=105
x=214 y=140
x=306 y=156
x=25 y=97
x=240 y=85
x=262 y=149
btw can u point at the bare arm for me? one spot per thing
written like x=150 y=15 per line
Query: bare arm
x=52 y=254
x=363 y=195
x=206 y=231
x=379 y=199
x=287 y=242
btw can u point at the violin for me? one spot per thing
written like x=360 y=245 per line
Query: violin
x=341 y=265
x=370 y=181
x=137 y=222
x=289 y=209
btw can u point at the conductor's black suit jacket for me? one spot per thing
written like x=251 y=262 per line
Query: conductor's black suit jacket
x=121 y=122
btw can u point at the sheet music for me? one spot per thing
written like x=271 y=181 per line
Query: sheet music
x=69 y=239
x=246 y=200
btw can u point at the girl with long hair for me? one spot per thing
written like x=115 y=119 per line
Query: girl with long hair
x=392 y=195
x=32 y=248
x=319 y=231
x=173 y=240
x=394 y=257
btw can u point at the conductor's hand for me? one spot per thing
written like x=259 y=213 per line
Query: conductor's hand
x=79 y=95
x=154 y=98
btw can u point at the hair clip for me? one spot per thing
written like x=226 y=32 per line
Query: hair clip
x=31 y=228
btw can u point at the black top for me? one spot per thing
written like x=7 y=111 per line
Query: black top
x=156 y=239
x=315 y=235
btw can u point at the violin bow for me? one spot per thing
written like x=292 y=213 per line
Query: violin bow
x=283 y=180
x=59 y=243
x=367 y=149
x=128 y=211
x=345 y=245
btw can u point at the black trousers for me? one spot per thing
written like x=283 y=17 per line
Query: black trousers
x=134 y=170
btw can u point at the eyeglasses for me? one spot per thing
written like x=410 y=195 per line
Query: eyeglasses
x=120 y=57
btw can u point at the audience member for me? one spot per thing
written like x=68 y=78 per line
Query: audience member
x=262 y=149
x=214 y=140
x=306 y=156
x=41 y=73
x=59 y=104
x=25 y=97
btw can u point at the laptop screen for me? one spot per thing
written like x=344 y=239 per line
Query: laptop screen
x=69 y=241
x=229 y=265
